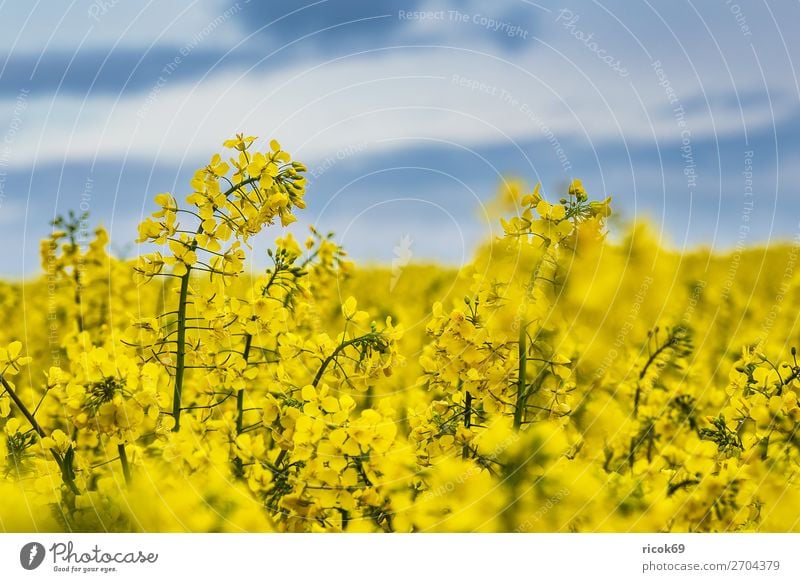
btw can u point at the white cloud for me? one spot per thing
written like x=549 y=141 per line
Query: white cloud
x=32 y=28
x=383 y=99
x=477 y=96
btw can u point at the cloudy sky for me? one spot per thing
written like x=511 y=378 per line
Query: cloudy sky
x=408 y=113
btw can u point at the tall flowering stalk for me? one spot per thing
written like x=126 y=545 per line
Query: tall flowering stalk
x=490 y=357
x=231 y=202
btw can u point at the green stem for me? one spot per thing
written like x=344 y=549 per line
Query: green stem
x=123 y=460
x=181 y=339
x=467 y=420
x=76 y=277
x=78 y=302
x=522 y=381
x=180 y=350
x=65 y=471
x=239 y=410
x=638 y=395
x=248 y=342
x=336 y=352
x=519 y=409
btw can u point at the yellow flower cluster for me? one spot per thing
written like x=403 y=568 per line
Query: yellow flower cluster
x=558 y=382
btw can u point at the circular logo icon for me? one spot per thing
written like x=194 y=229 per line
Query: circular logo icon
x=31 y=555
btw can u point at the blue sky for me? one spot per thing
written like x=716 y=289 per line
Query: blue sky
x=408 y=113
